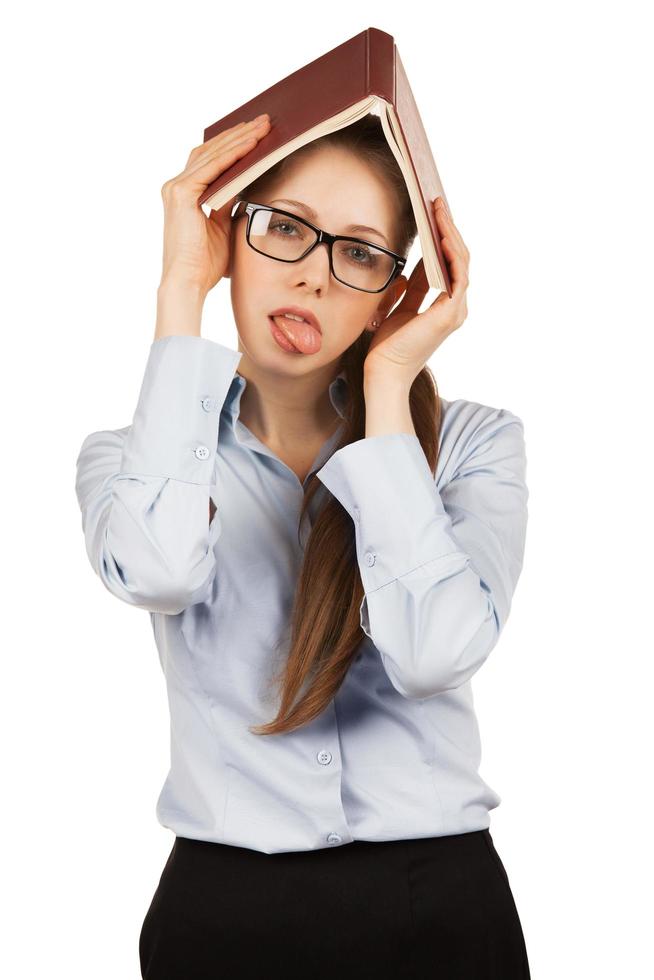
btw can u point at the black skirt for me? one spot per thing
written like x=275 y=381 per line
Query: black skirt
x=434 y=907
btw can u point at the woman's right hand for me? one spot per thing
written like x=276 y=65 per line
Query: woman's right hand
x=196 y=248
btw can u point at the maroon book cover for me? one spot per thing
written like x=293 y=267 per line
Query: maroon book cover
x=367 y=65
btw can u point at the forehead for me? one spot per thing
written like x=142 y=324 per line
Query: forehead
x=337 y=188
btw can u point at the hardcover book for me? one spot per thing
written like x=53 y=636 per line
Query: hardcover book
x=362 y=75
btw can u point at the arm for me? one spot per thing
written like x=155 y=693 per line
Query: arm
x=144 y=490
x=439 y=568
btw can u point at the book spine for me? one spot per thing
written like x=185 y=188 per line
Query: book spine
x=380 y=64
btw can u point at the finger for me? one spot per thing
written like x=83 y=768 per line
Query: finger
x=256 y=120
x=458 y=269
x=204 y=170
x=445 y=222
x=455 y=249
x=417 y=284
x=229 y=135
x=446 y=228
x=236 y=143
x=399 y=289
x=392 y=300
x=228 y=141
x=414 y=295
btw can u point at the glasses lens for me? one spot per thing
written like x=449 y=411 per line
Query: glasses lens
x=361 y=265
x=279 y=236
x=356 y=263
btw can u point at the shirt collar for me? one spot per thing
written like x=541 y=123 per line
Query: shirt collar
x=337 y=393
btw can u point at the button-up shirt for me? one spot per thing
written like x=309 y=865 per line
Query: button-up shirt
x=396 y=753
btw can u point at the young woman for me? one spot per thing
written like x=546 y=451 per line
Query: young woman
x=328 y=551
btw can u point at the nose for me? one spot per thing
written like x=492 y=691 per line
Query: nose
x=315 y=267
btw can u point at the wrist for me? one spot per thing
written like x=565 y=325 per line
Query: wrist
x=380 y=382
x=179 y=308
x=178 y=286
x=387 y=403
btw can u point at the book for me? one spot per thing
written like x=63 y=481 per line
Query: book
x=363 y=74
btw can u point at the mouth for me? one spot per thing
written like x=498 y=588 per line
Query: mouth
x=299 y=327
x=299 y=315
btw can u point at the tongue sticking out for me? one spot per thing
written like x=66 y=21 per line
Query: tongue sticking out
x=303 y=335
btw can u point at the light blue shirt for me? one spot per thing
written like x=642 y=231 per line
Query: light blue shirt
x=396 y=754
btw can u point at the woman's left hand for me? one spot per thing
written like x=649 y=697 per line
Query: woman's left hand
x=404 y=341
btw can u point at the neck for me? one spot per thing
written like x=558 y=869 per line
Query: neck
x=287 y=412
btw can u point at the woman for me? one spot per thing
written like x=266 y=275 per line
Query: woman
x=328 y=551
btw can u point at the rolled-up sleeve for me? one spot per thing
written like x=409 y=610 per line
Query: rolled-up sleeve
x=439 y=566
x=144 y=490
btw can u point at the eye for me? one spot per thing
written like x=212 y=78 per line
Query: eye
x=277 y=224
x=360 y=254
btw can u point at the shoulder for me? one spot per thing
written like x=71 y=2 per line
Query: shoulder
x=469 y=428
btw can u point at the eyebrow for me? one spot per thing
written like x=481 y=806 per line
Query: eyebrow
x=314 y=217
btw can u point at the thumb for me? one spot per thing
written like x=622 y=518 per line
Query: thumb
x=400 y=288
x=416 y=288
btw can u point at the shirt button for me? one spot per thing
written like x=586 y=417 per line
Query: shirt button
x=370 y=558
x=334 y=838
x=202 y=452
x=207 y=404
x=324 y=757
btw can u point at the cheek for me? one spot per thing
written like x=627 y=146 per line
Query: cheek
x=254 y=284
x=345 y=328
x=357 y=315
x=245 y=260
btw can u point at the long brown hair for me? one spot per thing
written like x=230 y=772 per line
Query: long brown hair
x=325 y=629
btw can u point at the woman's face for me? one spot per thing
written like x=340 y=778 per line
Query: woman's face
x=342 y=191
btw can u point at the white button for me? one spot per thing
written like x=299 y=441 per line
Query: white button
x=208 y=404
x=202 y=452
x=324 y=757
x=370 y=558
x=334 y=839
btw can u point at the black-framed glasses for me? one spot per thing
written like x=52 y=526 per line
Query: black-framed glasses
x=284 y=236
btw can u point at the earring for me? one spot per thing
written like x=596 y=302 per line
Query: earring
x=375 y=323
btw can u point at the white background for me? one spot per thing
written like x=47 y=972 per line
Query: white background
x=538 y=118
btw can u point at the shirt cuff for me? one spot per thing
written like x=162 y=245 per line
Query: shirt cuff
x=175 y=428
x=385 y=484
